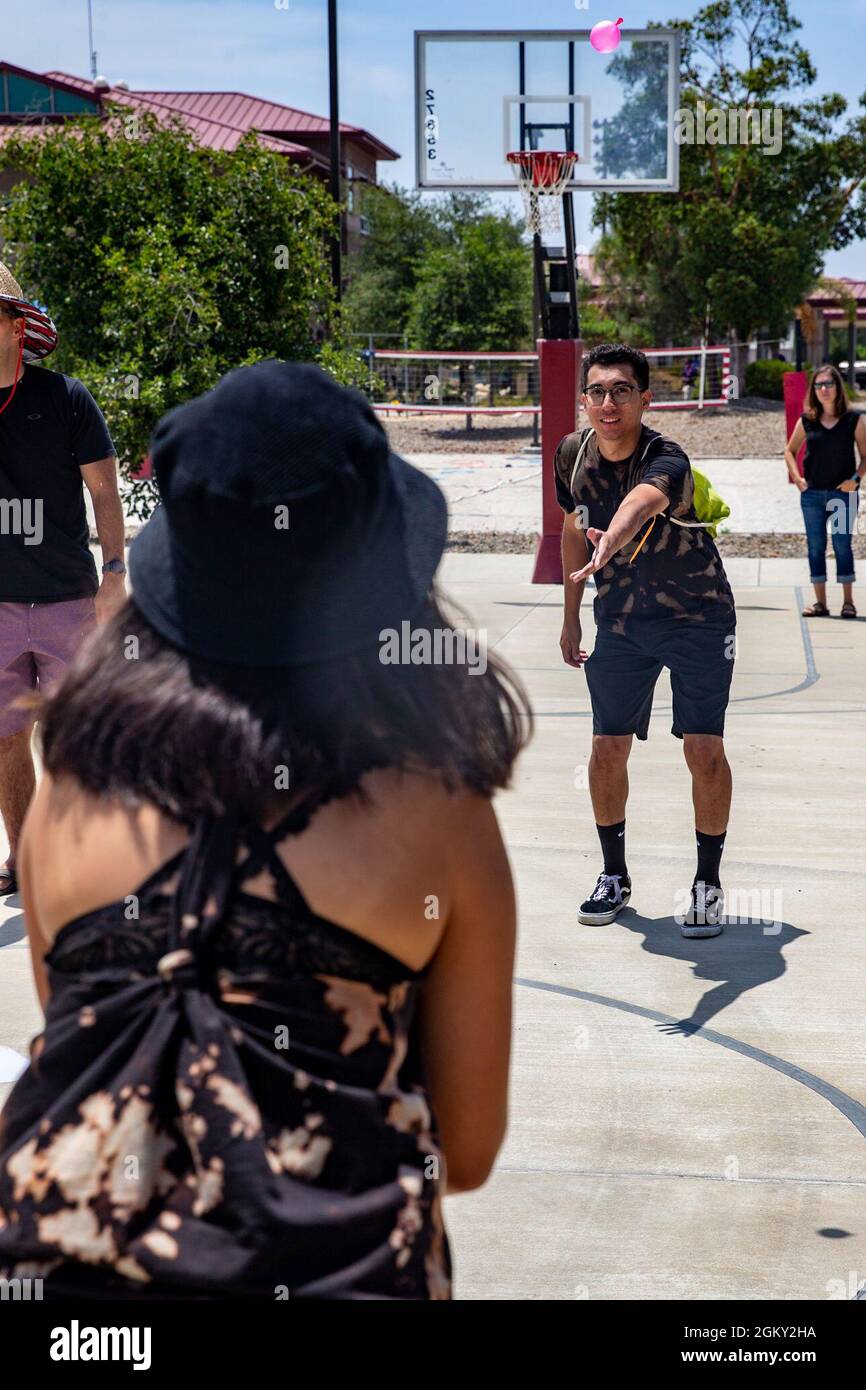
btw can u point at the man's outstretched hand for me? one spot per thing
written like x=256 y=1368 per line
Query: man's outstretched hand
x=601 y=554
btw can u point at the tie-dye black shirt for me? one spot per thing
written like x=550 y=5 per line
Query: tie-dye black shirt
x=677 y=573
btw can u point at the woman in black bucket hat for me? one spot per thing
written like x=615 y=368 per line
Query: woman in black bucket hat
x=273 y=923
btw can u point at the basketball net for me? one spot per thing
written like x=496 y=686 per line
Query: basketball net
x=543 y=176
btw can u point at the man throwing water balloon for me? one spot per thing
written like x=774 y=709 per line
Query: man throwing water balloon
x=662 y=600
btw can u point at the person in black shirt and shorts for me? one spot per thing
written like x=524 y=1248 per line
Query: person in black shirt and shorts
x=662 y=599
x=829 y=484
x=53 y=441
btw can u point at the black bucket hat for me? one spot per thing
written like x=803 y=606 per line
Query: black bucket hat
x=288 y=532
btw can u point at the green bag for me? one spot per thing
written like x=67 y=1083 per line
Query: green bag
x=709 y=506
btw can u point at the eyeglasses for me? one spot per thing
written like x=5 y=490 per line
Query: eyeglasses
x=619 y=394
x=825 y=385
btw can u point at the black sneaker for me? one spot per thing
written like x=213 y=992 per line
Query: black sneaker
x=704 y=914
x=607 y=897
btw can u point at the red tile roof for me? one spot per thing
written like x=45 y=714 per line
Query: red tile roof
x=221 y=119
x=824 y=299
x=857 y=288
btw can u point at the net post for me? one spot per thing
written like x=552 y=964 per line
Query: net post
x=702 y=388
x=559 y=362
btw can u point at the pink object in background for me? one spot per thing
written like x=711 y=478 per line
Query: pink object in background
x=145 y=470
x=559 y=364
x=605 y=36
x=795 y=386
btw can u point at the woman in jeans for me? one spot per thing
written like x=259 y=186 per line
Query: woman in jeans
x=829 y=485
x=270 y=911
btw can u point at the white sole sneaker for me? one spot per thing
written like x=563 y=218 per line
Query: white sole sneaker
x=708 y=906
x=710 y=929
x=603 y=919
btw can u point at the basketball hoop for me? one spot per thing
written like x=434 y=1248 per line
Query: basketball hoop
x=543 y=176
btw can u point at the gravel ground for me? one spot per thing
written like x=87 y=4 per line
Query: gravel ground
x=763 y=547
x=743 y=429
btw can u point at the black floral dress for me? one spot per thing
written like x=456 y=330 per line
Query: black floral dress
x=226 y=1101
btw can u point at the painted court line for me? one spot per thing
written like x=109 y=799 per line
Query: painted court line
x=845 y=1104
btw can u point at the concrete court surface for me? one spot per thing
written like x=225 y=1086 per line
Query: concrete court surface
x=500 y=492
x=646 y=1160
x=688 y=1119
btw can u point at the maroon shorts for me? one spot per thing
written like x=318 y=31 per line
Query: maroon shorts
x=37 y=643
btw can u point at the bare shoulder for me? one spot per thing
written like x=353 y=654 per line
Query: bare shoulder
x=452 y=833
x=471 y=843
x=420 y=800
x=83 y=852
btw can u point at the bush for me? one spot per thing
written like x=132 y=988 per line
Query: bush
x=765 y=379
x=166 y=264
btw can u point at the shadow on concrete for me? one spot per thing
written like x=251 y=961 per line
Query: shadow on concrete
x=12 y=930
x=747 y=954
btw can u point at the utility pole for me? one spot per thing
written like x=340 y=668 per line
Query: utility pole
x=336 y=190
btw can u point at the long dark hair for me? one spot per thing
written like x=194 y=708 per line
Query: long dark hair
x=840 y=402
x=137 y=719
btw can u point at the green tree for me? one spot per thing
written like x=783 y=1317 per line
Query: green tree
x=633 y=143
x=165 y=264
x=596 y=324
x=476 y=293
x=403 y=229
x=746 y=234
x=413 y=241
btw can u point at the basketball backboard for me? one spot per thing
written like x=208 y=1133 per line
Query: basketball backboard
x=481 y=94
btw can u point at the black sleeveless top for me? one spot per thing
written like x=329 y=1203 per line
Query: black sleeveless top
x=227 y=1101
x=829 y=458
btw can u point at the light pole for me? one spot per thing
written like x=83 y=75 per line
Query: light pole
x=336 y=191
x=93 y=67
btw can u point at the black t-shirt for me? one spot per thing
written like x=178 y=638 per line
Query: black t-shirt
x=678 y=572
x=830 y=458
x=50 y=429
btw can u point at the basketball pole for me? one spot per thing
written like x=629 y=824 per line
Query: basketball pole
x=559 y=362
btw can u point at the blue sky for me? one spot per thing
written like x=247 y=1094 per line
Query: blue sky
x=254 y=46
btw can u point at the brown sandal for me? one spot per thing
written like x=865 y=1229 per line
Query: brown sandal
x=817 y=610
x=848 y=611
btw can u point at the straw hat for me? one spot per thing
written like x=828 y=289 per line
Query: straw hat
x=40 y=335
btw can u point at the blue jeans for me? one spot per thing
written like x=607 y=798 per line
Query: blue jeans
x=840 y=508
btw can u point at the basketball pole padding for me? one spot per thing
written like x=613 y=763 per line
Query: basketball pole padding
x=795 y=385
x=559 y=362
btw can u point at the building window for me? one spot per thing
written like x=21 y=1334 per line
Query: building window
x=350 y=188
x=22 y=96
x=67 y=103
x=28 y=98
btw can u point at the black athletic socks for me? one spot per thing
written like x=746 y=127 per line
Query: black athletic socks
x=709 y=858
x=613 y=848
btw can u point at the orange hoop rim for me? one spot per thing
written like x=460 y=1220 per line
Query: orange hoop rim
x=543 y=171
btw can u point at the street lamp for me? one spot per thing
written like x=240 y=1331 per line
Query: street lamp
x=336 y=191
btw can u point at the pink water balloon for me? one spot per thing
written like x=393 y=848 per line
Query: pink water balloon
x=605 y=36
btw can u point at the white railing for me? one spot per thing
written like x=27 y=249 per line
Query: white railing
x=418 y=382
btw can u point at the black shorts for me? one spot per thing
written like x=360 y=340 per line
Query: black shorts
x=622 y=672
